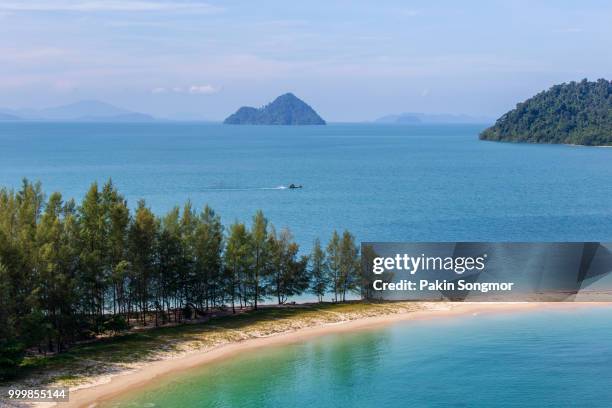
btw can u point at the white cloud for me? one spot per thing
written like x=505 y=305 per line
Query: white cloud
x=107 y=5
x=64 y=85
x=203 y=89
x=193 y=89
x=32 y=54
x=410 y=13
x=571 y=30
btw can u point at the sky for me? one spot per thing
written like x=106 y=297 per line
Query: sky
x=350 y=60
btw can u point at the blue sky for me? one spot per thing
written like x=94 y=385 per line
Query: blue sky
x=351 y=60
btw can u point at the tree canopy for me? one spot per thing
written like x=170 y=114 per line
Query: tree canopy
x=69 y=272
x=572 y=113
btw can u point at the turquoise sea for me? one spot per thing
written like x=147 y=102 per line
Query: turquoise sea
x=523 y=359
x=382 y=182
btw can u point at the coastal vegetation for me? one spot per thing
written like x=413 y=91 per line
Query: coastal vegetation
x=287 y=109
x=86 y=361
x=572 y=113
x=75 y=272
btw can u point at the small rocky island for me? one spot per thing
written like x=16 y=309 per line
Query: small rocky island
x=287 y=109
x=578 y=113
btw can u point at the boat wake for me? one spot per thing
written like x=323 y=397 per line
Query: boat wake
x=244 y=188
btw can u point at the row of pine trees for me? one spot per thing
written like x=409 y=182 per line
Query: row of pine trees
x=71 y=271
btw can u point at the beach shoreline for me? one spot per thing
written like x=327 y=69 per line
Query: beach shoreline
x=88 y=395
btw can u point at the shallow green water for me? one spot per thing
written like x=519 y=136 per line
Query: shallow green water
x=524 y=359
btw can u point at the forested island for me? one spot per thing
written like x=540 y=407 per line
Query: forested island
x=287 y=109
x=578 y=113
x=71 y=272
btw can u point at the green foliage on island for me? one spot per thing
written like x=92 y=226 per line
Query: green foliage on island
x=71 y=272
x=287 y=109
x=572 y=113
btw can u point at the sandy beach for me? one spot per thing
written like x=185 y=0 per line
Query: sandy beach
x=88 y=395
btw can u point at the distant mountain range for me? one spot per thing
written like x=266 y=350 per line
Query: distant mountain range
x=429 y=118
x=86 y=111
x=7 y=116
x=287 y=109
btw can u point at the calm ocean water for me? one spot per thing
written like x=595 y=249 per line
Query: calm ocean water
x=524 y=359
x=382 y=182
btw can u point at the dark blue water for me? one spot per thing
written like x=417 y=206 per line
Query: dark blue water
x=384 y=183
x=532 y=359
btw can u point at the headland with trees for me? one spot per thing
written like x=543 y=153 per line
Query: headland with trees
x=73 y=272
